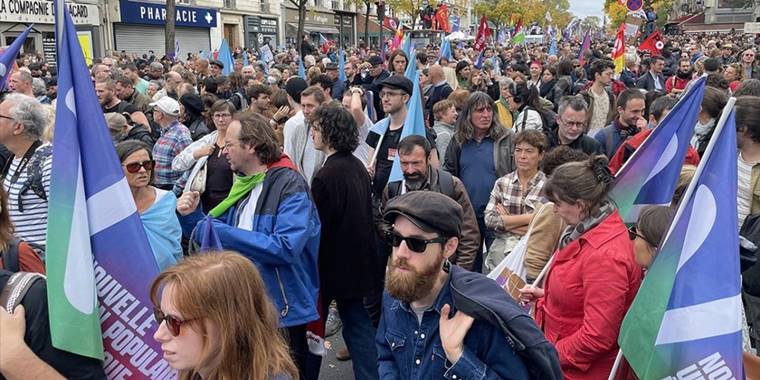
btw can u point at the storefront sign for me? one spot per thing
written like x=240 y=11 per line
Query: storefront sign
x=41 y=12
x=312 y=17
x=269 y=26
x=155 y=14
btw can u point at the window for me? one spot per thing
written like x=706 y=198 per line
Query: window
x=264 y=6
x=229 y=3
x=185 y=2
x=335 y=4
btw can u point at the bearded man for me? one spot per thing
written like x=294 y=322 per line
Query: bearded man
x=421 y=334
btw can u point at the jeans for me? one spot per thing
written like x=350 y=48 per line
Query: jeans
x=359 y=335
x=487 y=238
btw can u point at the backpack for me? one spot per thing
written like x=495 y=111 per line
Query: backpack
x=11 y=255
x=16 y=288
x=445 y=181
x=34 y=173
x=239 y=101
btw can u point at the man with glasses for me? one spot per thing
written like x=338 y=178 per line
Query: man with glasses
x=26 y=175
x=268 y=217
x=175 y=137
x=749 y=64
x=571 y=123
x=421 y=332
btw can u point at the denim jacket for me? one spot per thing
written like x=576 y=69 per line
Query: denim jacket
x=410 y=350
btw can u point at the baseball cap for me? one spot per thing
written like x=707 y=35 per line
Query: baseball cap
x=398 y=82
x=167 y=105
x=431 y=211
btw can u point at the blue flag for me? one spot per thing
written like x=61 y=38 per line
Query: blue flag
x=408 y=48
x=553 y=46
x=445 y=49
x=650 y=176
x=370 y=109
x=95 y=238
x=585 y=45
x=225 y=55
x=8 y=57
x=301 y=68
x=685 y=321
x=209 y=239
x=479 y=61
x=411 y=69
x=342 y=65
x=245 y=58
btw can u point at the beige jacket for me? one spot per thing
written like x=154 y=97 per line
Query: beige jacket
x=543 y=240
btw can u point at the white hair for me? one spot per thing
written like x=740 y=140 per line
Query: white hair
x=29 y=113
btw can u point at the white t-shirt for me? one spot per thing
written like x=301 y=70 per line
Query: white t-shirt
x=31 y=224
x=245 y=220
x=744 y=193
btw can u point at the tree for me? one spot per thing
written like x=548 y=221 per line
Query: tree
x=591 y=23
x=301 y=5
x=169 y=32
x=366 y=5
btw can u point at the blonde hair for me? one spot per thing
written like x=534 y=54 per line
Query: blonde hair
x=226 y=289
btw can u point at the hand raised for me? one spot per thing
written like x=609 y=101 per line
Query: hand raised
x=452 y=332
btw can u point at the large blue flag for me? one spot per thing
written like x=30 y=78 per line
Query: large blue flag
x=95 y=239
x=553 y=46
x=685 y=321
x=8 y=57
x=650 y=176
x=408 y=48
x=411 y=68
x=341 y=65
x=209 y=239
x=245 y=58
x=225 y=55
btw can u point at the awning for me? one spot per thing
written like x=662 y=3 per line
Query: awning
x=315 y=28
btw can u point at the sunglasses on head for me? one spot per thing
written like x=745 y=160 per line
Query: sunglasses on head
x=633 y=234
x=135 y=166
x=414 y=244
x=172 y=323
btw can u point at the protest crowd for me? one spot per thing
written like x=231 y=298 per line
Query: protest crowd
x=379 y=194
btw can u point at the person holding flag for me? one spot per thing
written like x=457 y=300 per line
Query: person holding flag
x=594 y=276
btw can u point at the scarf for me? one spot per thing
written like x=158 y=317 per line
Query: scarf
x=241 y=186
x=701 y=131
x=572 y=233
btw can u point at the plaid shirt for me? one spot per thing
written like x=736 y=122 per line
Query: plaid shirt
x=508 y=192
x=172 y=141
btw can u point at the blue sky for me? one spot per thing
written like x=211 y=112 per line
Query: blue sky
x=583 y=8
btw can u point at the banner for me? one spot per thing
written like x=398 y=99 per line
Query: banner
x=96 y=244
x=484 y=32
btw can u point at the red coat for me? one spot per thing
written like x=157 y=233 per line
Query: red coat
x=589 y=287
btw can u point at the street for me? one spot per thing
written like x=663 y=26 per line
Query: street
x=332 y=368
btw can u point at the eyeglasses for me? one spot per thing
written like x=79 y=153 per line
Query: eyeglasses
x=172 y=323
x=415 y=244
x=221 y=115
x=7 y=117
x=384 y=94
x=633 y=234
x=577 y=124
x=135 y=166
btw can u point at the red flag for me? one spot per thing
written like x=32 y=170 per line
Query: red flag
x=391 y=23
x=518 y=26
x=653 y=43
x=442 y=18
x=483 y=33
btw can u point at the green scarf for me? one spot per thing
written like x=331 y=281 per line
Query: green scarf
x=241 y=186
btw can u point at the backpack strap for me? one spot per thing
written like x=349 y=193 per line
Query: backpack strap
x=10 y=256
x=16 y=288
x=609 y=137
x=34 y=174
x=394 y=189
x=446 y=182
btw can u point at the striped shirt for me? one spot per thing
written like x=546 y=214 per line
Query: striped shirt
x=31 y=224
x=744 y=193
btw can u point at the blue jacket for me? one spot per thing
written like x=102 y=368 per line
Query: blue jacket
x=284 y=243
x=409 y=350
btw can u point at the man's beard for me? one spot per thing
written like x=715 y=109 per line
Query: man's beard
x=415 y=181
x=684 y=74
x=413 y=285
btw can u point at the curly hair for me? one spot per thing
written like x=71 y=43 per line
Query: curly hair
x=336 y=126
x=465 y=129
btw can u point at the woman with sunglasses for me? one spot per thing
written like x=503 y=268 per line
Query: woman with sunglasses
x=156 y=206
x=593 y=276
x=648 y=232
x=207 y=153
x=207 y=331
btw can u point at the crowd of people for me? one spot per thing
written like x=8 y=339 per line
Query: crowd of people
x=296 y=173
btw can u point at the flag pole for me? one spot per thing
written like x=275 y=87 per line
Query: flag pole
x=616 y=366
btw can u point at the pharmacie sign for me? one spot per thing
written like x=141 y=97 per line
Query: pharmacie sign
x=136 y=12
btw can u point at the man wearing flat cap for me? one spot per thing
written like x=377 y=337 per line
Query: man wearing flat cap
x=215 y=68
x=339 y=86
x=421 y=334
x=384 y=136
x=371 y=82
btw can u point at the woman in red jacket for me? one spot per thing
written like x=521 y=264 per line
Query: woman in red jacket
x=593 y=277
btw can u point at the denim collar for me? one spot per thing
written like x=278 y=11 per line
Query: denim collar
x=444 y=297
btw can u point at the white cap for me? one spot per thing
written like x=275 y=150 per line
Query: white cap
x=167 y=105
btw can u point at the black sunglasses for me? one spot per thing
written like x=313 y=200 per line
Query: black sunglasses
x=135 y=166
x=172 y=323
x=415 y=244
x=633 y=234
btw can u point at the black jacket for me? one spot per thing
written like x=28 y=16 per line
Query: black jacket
x=342 y=193
x=646 y=82
x=484 y=300
x=139 y=133
x=373 y=84
x=437 y=93
x=584 y=143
